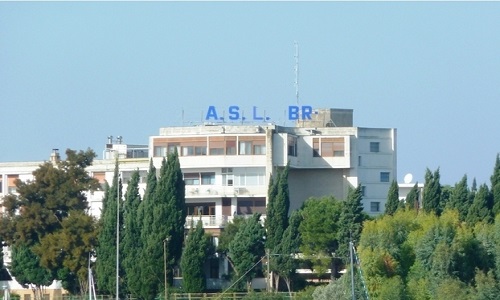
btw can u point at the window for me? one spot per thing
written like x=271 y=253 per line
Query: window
x=384 y=176
x=207 y=178
x=374 y=146
x=227 y=176
x=171 y=148
x=1 y=184
x=200 y=209
x=292 y=146
x=216 y=146
x=245 y=148
x=248 y=206
x=316 y=147
x=160 y=151
x=363 y=190
x=192 y=178
x=231 y=147
x=374 y=206
x=359 y=161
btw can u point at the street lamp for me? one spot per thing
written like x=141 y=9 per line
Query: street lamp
x=117 y=229
x=165 y=241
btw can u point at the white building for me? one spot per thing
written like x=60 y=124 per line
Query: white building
x=227 y=166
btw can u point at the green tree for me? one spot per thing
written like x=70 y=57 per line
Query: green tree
x=277 y=214
x=167 y=206
x=393 y=202
x=56 y=193
x=319 y=231
x=432 y=192
x=495 y=186
x=247 y=248
x=480 y=210
x=227 y=235
x=148 y=280
x=285 y=260
x=131 y=244
x=487 y=287
x=67 y=251
x=193 y=258
x=27 y=270
x=107 y=243
x=459 y=198
x=351 y=220
x=411 y=200
x=278 y=205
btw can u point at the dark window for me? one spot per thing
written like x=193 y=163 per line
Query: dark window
x=384 y=176
x=374 y=147
x=374 y=206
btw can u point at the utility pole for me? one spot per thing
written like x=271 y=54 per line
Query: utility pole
x=268 y=271
x=165 y=241
x=352 y=271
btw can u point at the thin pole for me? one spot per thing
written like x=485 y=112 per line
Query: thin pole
x=165 y=265
x=268 y=272
x=117 y=230
x=352 y=272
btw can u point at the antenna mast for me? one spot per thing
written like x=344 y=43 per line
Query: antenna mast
x=297 y=71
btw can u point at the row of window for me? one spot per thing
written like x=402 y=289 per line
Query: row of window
x=244 y=206
x=228 y=179
x=230 y=145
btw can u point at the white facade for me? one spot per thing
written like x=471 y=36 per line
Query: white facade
x=227 y=167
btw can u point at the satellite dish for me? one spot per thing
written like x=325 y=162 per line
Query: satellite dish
x=408 y=178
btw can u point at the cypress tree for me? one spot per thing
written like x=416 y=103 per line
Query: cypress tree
x=271 y=215
x=168 y=211
x=193 y=258
x=459 y=198
x=286 y=263
x=149 y=280
x=247 y=248
x=351 y=221
x=131 y=245
x=106 y=249
x=393 y=202
x=432 y=192
x=480 y=210
x=495 y=186
x=412 y=198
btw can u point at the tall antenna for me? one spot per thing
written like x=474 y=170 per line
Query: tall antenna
x=297 y=71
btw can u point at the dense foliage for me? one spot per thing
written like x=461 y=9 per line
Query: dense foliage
x=47 y=225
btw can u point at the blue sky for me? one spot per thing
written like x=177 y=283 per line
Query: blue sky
x=72 y=73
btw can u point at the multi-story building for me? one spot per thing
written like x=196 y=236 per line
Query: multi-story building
x=227 y=166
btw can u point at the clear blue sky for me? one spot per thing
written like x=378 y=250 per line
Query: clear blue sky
x=72 y=73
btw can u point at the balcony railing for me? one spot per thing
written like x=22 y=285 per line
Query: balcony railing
x=225 y=191
x=207 y=220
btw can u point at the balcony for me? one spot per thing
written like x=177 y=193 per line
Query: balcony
x=209 y=191
x=209 y=221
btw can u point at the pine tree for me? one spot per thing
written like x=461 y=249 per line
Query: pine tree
x=131 y=245
x=432 y=192
x=480 y=210
x=393 y=202
x=193 y=258
x=459 y=199
x=106 y=249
